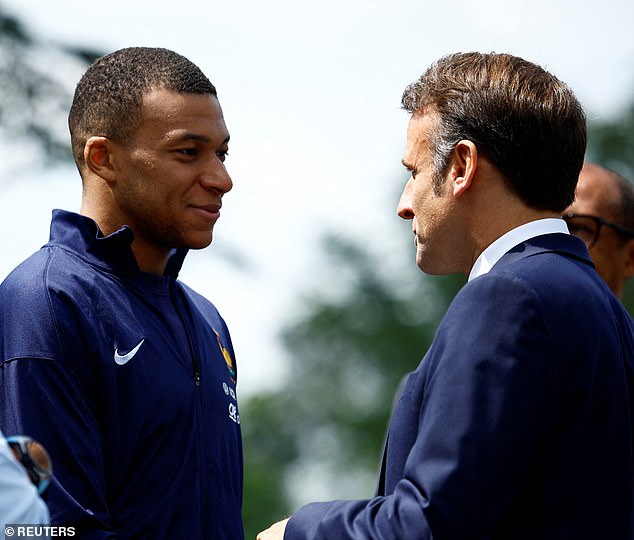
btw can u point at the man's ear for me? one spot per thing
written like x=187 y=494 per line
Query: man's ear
x=628 y=269
x=98 y=157
x=464 y=163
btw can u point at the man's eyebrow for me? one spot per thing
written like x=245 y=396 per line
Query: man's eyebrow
x=197 y=137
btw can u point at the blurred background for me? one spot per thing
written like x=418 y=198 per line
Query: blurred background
x=310 y=266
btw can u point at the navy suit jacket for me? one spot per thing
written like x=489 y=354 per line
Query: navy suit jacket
x=518 y=423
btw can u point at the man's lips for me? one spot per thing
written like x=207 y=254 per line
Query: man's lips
x=210 y=211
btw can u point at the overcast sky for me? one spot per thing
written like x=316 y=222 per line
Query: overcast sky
x=311 y=95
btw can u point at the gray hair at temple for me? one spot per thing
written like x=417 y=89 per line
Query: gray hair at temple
x=523 y=119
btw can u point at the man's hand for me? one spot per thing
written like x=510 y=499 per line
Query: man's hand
x=274 y=532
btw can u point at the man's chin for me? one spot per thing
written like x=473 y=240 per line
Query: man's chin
x=199 y=241
x=427 y=267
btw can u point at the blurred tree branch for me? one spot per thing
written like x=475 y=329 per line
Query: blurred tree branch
x=35 y=95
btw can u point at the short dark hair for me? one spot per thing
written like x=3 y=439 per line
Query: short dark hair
x=108 y=97
x=523 y=119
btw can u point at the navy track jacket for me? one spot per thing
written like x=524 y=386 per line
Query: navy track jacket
x=128 y=379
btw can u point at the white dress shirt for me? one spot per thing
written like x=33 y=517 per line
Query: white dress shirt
x=509 y=240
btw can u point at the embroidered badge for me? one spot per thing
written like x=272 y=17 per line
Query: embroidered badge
x=226 y=355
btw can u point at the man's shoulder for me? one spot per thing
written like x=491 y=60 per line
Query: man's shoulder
x=492 y=289
x=26 y=313
x=551 y=263
x=50 y=266
x=544 y=282
x=546 y=254
x=28 y=277
x=558 y=287
x=547 y=276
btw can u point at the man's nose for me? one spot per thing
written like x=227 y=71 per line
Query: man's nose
x=217 y=177
x=404 y=208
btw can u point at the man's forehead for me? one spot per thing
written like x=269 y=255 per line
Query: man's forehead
x=421 y=125
x=595 y=193
x=174 y=112
x=419 y=131
x=161 y=99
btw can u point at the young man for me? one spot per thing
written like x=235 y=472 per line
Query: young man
x=125 y=374
x=518 y=423
x=602 y=215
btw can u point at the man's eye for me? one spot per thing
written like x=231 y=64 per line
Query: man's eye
x=188 y=151
x=222 y=155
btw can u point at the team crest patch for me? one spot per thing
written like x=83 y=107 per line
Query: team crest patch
x=226 y=355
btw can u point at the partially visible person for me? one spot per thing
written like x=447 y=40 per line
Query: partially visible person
x=602 y=215
x=125 y=374
x=518 y=423
x=19 y=498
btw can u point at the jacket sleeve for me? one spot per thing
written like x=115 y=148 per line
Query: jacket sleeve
x=479 y=406
x=41 y=399
x=41 y=395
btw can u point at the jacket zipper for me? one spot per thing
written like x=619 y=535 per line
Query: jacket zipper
x=190 y=341
x=196 y=373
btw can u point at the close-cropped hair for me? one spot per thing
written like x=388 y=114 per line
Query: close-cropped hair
x=524 y=120
x=623 y=208
x=108 y=98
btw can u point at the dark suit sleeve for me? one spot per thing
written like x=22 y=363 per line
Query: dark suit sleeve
x=480 y=405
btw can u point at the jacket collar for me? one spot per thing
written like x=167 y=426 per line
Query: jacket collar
x=564 y=244
x=113 y=253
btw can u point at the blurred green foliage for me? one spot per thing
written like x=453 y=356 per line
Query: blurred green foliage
x=611 y=142
x=323 y=430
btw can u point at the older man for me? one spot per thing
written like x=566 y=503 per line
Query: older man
x=518 y=423
x=602 y=215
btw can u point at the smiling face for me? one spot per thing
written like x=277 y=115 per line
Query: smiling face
x=170 y=179
x=428 y=201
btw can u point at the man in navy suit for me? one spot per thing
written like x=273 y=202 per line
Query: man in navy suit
x=518 y=423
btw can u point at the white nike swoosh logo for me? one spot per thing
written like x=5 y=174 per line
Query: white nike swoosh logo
x=124 y=359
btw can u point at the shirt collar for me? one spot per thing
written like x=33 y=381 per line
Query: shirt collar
x=512 y=238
